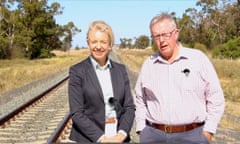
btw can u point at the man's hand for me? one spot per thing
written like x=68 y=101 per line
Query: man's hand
x=208 y=135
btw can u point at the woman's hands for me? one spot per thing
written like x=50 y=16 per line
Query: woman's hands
x=119 y=138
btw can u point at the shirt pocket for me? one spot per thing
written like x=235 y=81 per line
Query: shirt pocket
x=192 y=84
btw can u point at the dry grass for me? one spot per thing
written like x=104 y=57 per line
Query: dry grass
x=229 y=74
x=18 y=72
x=231 y=116
x=134 y=58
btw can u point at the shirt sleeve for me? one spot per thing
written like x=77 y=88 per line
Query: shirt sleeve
x=99 y=139
x=215 y=102
x=140 y=104
x=123 y=132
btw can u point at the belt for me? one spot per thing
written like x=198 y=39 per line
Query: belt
x=175 y=128
x=110 y=120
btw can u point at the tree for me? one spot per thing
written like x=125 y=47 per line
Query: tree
x=230 y=50
x=30 y=28
x=7 y=27
x=69 y=31
x=123 y=43
x=187 y=27
x=39 y=27
x=142 y=42
x=214 y=23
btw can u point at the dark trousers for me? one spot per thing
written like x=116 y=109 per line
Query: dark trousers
x=153 y=135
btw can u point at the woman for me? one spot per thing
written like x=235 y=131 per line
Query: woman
x=100 y=98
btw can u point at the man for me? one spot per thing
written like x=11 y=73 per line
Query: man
x=178 y=96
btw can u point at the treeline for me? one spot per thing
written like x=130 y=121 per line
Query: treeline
x=141 y=42
x=214 y=25
x=28 y=29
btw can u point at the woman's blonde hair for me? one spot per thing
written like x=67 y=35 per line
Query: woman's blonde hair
x=103 y=27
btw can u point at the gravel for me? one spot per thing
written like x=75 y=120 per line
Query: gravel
x=16 y=97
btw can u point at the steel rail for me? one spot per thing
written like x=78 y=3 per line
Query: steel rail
x=16 y=111
x=58 y=131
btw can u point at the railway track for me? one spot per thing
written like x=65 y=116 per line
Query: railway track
x=44 y=119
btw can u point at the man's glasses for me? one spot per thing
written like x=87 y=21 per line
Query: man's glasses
x=164 y=36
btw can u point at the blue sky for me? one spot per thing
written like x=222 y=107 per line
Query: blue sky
x=128 y=18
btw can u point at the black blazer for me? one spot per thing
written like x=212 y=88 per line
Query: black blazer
x=87 y=103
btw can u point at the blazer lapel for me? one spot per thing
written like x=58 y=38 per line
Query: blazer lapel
x=94 y=80
x=114 y=78
x=116 y=89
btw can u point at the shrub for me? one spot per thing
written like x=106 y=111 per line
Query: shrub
x=201 y=47
x=3 y=48
x=230 y=50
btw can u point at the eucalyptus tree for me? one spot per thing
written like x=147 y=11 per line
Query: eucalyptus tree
x=211 y=23
x=188 y=28
x=220 y=20
x=39 y=29
x=7 y=28
x=28 y=27
x=237 y=21
x=129 y=43
x=123 y=42
x=68 y=31
x=142 y=42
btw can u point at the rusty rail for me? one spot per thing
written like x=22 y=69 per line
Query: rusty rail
x=58 y=131
x=11 y=114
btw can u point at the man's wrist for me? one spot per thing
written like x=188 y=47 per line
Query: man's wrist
x=208 y=135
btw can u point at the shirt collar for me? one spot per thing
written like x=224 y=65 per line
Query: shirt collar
x=96 y=66
x=183 y=54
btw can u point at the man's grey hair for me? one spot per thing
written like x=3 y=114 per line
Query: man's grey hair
x=161 y=17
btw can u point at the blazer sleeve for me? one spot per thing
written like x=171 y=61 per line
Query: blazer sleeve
x=128 y=107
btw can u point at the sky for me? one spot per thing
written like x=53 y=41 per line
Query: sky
x=128 y=18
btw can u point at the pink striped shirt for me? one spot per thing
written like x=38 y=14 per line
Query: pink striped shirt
x=166 y=94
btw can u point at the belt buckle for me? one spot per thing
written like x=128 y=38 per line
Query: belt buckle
x=167 y=129
x=110 y=120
